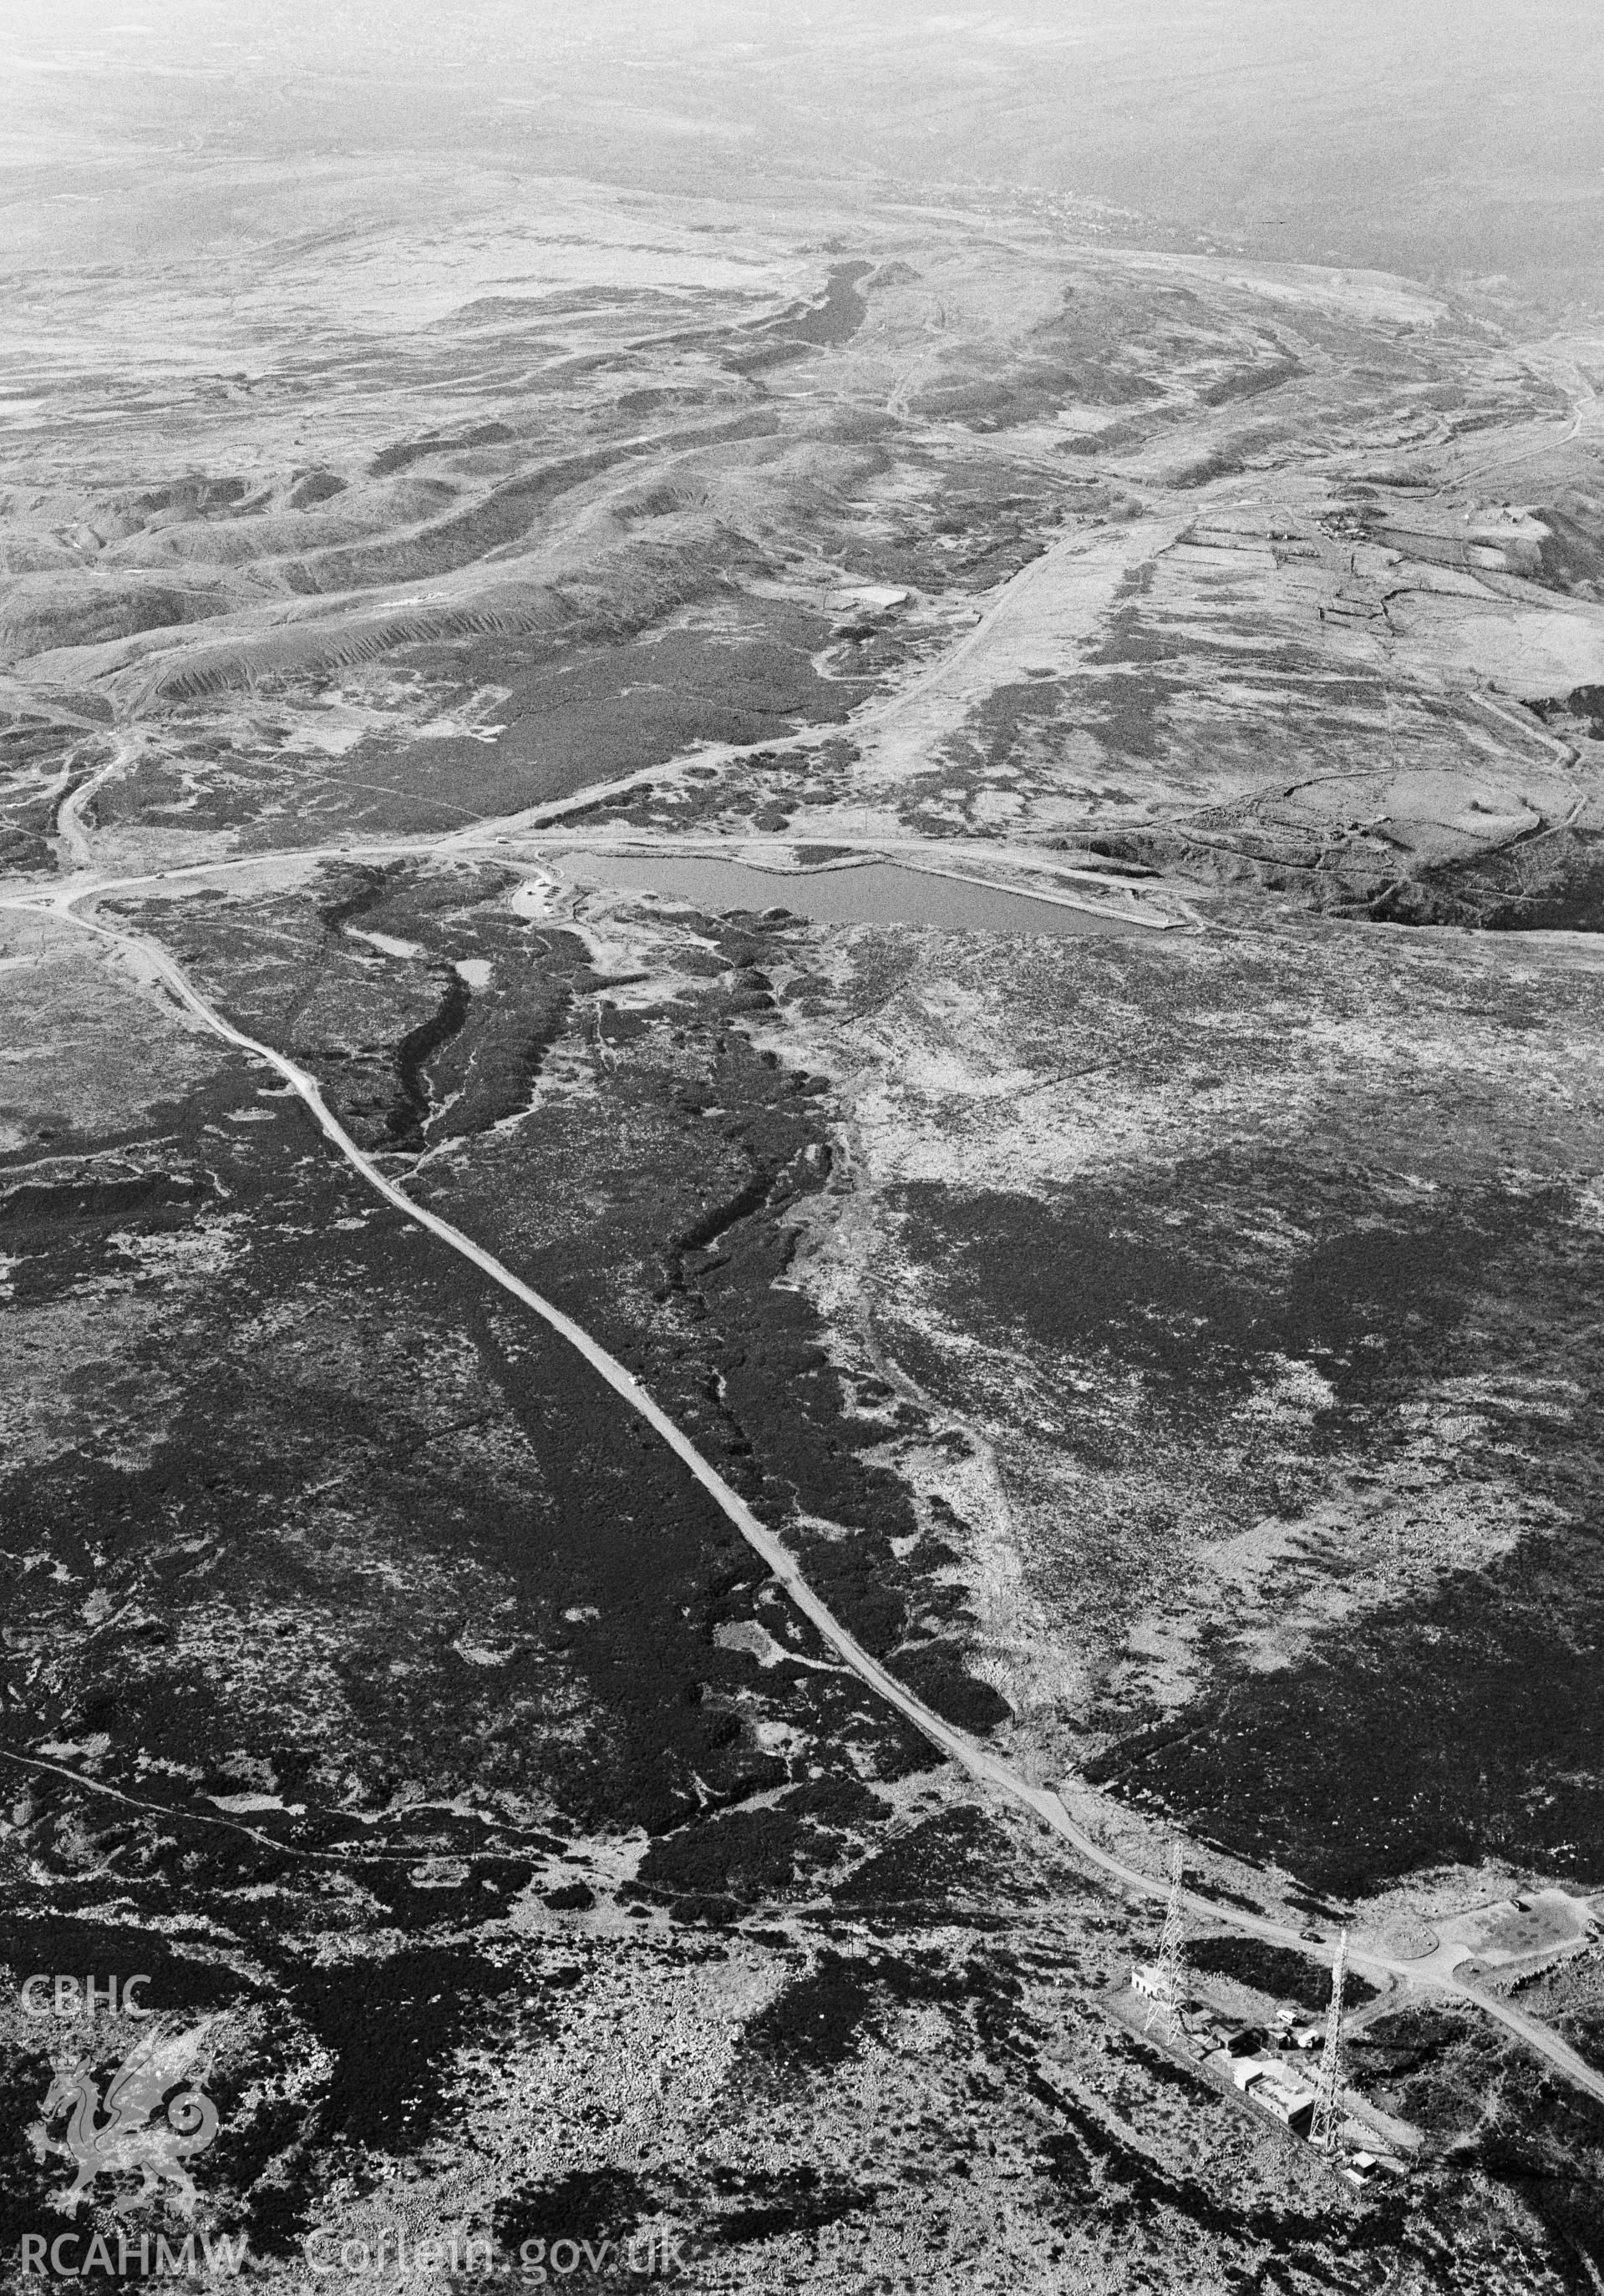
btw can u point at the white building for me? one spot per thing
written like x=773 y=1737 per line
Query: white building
x=1287 y=2101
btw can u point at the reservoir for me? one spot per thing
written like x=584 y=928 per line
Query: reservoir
x=868 y=893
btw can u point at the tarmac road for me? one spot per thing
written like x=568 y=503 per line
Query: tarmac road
x=77 y=892
x=997 y=1776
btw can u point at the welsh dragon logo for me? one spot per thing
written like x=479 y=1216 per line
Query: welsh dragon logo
x=114 y=2130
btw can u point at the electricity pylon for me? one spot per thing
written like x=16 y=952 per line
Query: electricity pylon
x=1164 y=2006
x=1327 y=2108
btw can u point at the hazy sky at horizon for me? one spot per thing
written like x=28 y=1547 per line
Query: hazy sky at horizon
x=1439 y=137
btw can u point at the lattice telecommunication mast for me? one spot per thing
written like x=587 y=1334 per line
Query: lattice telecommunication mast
x=1327 y=2108
x=1163 y=2003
